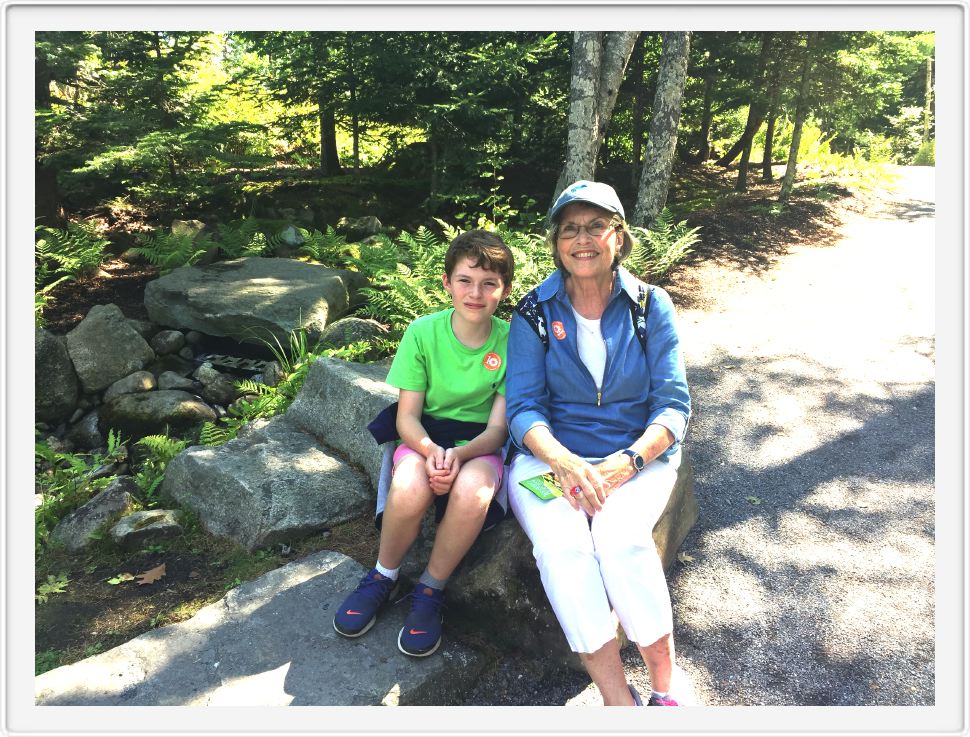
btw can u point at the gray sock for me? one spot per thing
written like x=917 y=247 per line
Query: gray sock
x=436 y=583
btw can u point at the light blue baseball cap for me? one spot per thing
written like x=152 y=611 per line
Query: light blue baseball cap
x=593 y=193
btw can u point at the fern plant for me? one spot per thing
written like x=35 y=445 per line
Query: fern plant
x=242 y=238
x=328 y=248
x=661 y=246
x=151 y=472
x=168 y=251
x=67 y=254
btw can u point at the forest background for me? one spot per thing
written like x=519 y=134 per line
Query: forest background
x=136 y=128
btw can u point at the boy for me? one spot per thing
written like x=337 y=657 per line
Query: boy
x=450 y=370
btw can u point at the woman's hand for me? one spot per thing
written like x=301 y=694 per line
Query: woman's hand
x=575 y=474
x=615 y=470
x=443 y=476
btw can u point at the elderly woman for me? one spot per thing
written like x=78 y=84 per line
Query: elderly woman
x=597 y=395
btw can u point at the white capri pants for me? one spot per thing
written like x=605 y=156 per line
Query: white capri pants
x=592 y=566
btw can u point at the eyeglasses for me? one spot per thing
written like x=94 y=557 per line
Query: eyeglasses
x=595 y=229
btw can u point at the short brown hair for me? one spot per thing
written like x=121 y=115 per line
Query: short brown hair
x=485 y=249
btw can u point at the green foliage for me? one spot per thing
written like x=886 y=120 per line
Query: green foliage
x=64 y=482
x=53 y=585
x=660 y=246
x=66 y=254
x=926 y=156
x=328 y=248
x=151 y=471
x=169 y=251
x=242 y=238
x=47 y=660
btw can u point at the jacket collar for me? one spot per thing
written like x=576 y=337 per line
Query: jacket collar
x=555 y=285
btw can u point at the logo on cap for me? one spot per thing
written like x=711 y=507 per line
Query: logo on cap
x=558 y=330
x=492 y=361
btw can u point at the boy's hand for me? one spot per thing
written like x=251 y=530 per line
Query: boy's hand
x=442 y=478
x=434 y=462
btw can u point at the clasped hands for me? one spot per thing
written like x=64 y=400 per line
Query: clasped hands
x=442 y=466
x=595 y=482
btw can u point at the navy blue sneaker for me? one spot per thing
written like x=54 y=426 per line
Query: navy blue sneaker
x=421 y=634
x=358 y=612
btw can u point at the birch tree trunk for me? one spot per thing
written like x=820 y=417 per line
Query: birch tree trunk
x=801 y=109
x=598 y=62
x=662 y=143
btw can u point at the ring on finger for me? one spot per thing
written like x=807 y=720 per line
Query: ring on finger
x=576 y=491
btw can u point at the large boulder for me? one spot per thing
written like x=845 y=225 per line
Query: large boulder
x=337 y=401
x=137 y=415
x=55 y=382
x=272 y=484
x=349 y=330
x=269 y=642
x=104 y=347
x=74 y=530
x=253 y=299
x=358 y=228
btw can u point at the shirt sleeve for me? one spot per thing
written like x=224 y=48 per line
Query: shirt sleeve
x=408 y=370
x=669 y=400
x=527 y=396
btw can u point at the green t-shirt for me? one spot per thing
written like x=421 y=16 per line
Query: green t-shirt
x=459 y=383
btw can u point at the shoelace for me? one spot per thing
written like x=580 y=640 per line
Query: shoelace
x=424 y=605
x=373 y=589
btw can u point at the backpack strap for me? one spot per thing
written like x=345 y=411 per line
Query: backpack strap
x=638 y=313
x=530 y=310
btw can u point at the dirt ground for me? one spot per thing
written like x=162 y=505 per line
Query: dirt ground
x=740 y=234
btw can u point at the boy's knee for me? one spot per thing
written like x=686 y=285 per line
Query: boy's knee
x=471 y=496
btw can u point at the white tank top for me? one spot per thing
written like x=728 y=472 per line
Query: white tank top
x=592 y=349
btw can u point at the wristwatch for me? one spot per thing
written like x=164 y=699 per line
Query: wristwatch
x=636 y=458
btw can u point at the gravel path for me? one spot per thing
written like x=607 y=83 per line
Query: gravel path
x=811 y=572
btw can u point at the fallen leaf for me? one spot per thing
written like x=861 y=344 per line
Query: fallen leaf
x=151 y=576
x=119 y=578
x=754 y=500
x=685 y=557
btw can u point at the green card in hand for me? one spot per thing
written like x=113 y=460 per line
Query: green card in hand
x=543 y=486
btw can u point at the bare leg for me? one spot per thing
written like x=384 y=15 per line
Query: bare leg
x=606 y=669
x=659 y=658
x=470 y=495
x=408 y=500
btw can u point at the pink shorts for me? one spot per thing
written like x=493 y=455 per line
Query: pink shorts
x=494 y=459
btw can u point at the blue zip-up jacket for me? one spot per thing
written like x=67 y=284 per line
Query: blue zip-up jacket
x=554 y=388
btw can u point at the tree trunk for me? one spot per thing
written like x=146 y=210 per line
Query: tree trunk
x=801 y=109
x=433 y=146
x=929 y=99
x=583 y=125
x=355 y=128
x=597 y=70
x=659 y=156
x=639 y=94
x=329 y=161
x=707 y=118
x=756 y=109
x=766 y=175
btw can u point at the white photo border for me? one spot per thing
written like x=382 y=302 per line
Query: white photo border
x=949 y=715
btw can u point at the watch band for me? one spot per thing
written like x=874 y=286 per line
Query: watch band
x=636 y=458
